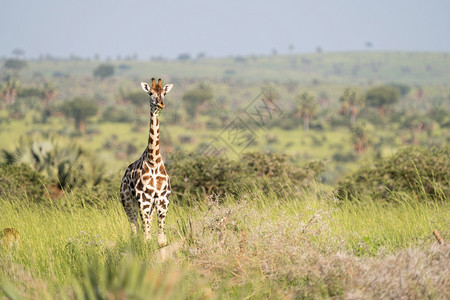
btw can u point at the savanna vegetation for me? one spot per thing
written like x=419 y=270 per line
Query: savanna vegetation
x=299 y=176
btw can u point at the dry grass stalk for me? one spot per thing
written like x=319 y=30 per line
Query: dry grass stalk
x=438 y=237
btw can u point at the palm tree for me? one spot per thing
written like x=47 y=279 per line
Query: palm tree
x=49 y=92
x=66 y=166
x=8 y=90
x=361 y=137
x=306 y=108
x=352 y=102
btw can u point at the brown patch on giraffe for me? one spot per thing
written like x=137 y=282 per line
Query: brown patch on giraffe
x=163 y=204
x=160 y=181
x=150 y=156
x=158 y=160
x=157 y=142
x=162 y=170
x=151 y=183
x=145 y=178
x=140 y=186
x=150 y=140
x=145 y=168
x=157 y=152
x=151 y=131
x=157 y=121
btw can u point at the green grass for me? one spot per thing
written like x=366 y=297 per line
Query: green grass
x=233 y=249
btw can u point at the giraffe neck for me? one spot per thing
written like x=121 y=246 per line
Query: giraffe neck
x=153 y=156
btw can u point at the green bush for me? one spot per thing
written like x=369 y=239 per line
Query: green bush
x=21 y=181
x=424 y=172
x=195 y=174
x=103 y=71
x=66 y=166
x=114 y=114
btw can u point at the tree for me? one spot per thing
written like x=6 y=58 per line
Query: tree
x=184 y=57
x=80 y=109
x=104 y=70
x=18 y=52
x=382 y=97
x=270 y=93
x=361 y=137
x=194 y=98
x=306 y=108
x=351 y=103
x=49 y=92
x=14 y=64
x=8 y=90
x=138 y=99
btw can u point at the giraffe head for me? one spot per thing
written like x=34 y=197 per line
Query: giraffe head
x=157 y=93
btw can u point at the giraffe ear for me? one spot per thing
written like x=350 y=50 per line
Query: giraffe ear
x=145 y=87
x=168 y=87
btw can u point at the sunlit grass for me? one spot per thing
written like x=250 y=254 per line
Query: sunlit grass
x=242 y=241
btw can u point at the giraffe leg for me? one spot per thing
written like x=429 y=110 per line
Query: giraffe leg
x=162 y=208
x=147 y=212
x=127 y=203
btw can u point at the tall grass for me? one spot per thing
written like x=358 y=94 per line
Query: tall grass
x=287 y=243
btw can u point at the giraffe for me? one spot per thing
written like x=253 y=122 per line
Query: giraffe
x=145 y=187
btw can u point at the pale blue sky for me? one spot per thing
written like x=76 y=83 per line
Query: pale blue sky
x=233 y=27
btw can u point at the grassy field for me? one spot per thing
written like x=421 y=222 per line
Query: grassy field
x=300 y=244
x=296 y=240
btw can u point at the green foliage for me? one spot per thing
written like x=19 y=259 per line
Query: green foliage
x=117 y=114
x=67 y=166
x=9 y=89
x=422 y=172
x=21 y=181
x=130 y=279
x=104 y=70
x=351 y=104
x=270 y=93
x=194 y=174
x=382 y=96
x=80 y=109
x=31 y=92
x=137 y=98
x=196 y=97
x=362 y=137
x=14 y=64
x=402 y=88
x=306 y=107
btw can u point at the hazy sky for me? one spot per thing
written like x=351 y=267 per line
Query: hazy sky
x=233 y=27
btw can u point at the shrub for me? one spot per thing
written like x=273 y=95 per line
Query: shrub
x=67 y=166
x=206 y=175
x=421 y=171
x=196 y=174
x=114 y=114
x=22 y=181
x=104 y=70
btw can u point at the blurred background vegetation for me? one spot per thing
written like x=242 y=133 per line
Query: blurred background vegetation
x=342 y=109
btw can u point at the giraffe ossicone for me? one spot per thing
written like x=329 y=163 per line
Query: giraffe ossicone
x=145 y=186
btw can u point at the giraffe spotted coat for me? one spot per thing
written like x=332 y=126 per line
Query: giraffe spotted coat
x=145 y=187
